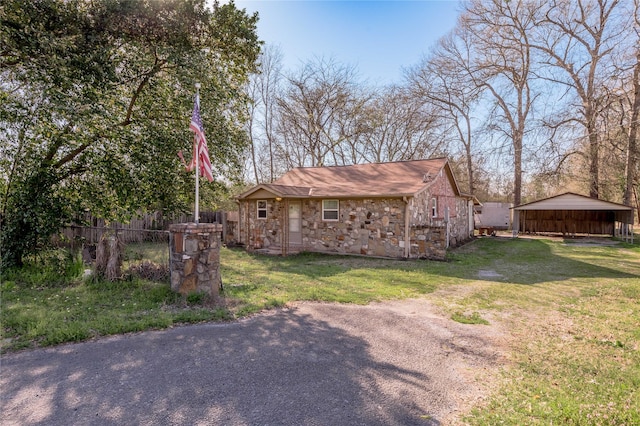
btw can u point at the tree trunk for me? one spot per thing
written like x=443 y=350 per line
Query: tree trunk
x=253 y=160
x=517 y=170
x=594 y=170
x=632 y=148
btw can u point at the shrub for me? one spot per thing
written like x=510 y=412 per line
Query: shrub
x=48 y=268
x=149 y=271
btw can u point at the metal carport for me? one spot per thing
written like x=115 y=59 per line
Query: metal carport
x=571 y=214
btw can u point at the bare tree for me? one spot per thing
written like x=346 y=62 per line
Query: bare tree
x=501 y=64
x=252 y=122
x=401 y=127
x=441 y=81
x=263 y=88
x=577 y=38
x=631 y=167
x=319 y=114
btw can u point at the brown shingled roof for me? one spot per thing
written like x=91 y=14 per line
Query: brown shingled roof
x=401 y=178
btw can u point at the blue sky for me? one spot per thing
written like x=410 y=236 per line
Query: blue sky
x=378 y=37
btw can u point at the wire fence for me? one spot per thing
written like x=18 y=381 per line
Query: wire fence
x=140 y=247
x=146 y=228
x=143 y=251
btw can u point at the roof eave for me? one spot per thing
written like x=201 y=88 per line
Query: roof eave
x=610 y=207
x=321 y=196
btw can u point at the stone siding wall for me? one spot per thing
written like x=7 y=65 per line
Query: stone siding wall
x=458 y=221
x=428 y=242
x=195 y=258
x=459 y=231
x=373 y=227
x=257 y=233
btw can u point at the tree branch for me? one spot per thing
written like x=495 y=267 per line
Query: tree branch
x=73 y=154
x=157 y=66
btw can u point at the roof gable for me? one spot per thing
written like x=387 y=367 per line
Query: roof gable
x=395 y=179
x=264 y=189
x=571 y=201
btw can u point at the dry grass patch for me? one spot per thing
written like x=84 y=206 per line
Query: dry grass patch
x=574 y=332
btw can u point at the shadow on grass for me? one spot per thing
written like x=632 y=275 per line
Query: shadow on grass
x=282 y=368
x=517 y=261
x=533 y=261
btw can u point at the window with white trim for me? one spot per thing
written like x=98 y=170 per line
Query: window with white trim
x=434 y=207
x=261 y=207
x=330 y=209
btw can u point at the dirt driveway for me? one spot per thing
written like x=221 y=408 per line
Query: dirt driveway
x=392 y=363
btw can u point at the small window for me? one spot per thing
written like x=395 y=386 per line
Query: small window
x=434 y=207
x=330 y=209
x=262 y=209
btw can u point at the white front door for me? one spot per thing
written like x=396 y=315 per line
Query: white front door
x=295 y=223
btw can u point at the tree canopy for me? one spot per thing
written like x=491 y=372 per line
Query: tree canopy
x=95 y=101
x=526 y=98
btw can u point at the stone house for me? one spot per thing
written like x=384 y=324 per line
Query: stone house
x=405 y=209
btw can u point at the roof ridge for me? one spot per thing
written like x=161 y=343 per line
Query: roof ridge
x=367 y=164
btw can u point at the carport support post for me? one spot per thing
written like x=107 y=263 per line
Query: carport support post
x=515 y=224
x=194 y=251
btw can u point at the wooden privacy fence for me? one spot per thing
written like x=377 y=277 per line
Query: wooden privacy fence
x=151 y=227
x=89 y=235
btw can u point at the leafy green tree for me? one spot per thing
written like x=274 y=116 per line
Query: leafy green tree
x=95 y=101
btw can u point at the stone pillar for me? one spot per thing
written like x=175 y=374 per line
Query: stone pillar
x=195 y=258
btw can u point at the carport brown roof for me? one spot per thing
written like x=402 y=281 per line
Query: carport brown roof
x=572 y=201
x=396 y=179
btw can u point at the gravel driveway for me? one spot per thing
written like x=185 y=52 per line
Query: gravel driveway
x=392 y=363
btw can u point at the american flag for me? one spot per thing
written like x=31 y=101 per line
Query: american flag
x=199 y=144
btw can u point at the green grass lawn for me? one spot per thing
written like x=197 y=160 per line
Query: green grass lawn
x=256 y=282
x=573 y=312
